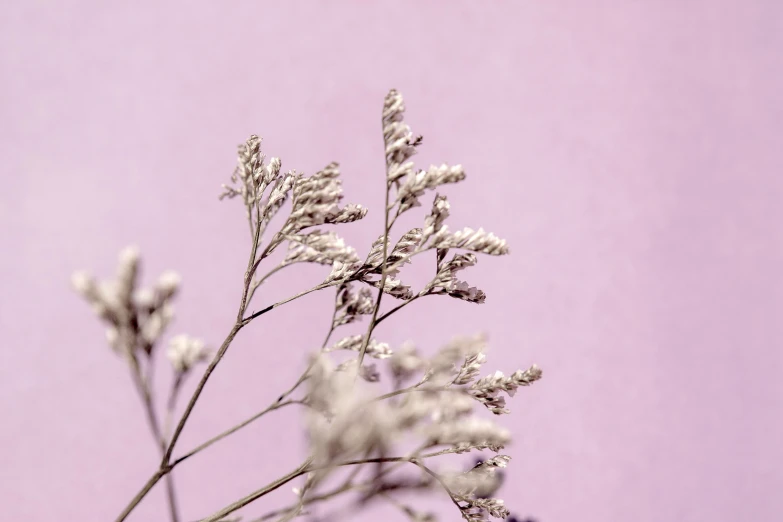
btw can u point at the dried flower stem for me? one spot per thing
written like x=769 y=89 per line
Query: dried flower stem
x=199 y=388
x=223 y=347
x=301 y=470
x=285 y=301
x=218 y=356
x=384 y=270
x=171 y=404
x=272 y=407
x=305 y=468
x=406 y=303
x=346 y=486
x=439 y=479
x=141 y=494
x=281 y=402
x=165 y=466
x=343 y=429
x=143 y=388
x=258 y=282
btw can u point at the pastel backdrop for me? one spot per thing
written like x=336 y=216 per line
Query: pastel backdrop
x=629 y=151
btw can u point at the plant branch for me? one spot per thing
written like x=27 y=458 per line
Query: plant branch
x=384 y=269
x=165 y=466
x=269 y=308
x=272 y=407
x=215 y=360
x=301 y=470
x=349 y=485
x=258 y=282
x=440 y=481
x=305 y=468
x=143 y=388
x=398 y=307
x=141 y=494
x=171 y=405
x=199 y=388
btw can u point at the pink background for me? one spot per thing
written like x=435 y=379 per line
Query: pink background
x=629 y=151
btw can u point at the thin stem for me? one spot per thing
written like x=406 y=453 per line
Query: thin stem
x=140 y=495
x=143 y=387
x=284 y=301
x=251 y=266
x=171 y=496
x=215 y=360
x=276 y=240
x=301 y=470
x=399 y=505
x=398 y=307
x=302 y=378
x=234 y=429
x=382 y=283
x=415 y=388
x=165 y=467
x=199 y=388
x=146 y=399
x=300 y=503
x=172 y=403
x=254 y=286
x=424 y=293
x=349 y=485
x=439 y=479
x=312 y=500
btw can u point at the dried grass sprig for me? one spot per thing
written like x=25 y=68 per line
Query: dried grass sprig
x=347 y=423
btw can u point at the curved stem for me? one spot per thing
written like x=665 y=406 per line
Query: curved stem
x=305 y=468
x=144 y=390
x=165 y=466
x=252 y=316
x=254 y=286
x=398 y=307
x=440 y=481
x=140 y=495
x=382 y=283
x=234 y=429
x=199 y=388
x=242 y=502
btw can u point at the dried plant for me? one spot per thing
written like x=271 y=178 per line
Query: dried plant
x=431 y=408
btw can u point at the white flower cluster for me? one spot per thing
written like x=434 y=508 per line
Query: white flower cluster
x=447 y=280
x=351 y=425
x=397 y=135
x=251 y=176
x=487 y=389
x=316 y=199
x=136 y=316
x=375 y=349
x=478 y=509
x=184 y=352
x=410 y=186
x=406 y=362
x=435 y=176
x=439 y=411
x=437 y=216
x=320 y=247
x=469 y=239
x=350 y=305
x=481 y=481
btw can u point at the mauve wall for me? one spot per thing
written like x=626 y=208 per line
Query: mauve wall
x=629 y=151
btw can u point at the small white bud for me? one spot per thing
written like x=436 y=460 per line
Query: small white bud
x=168 y=283
x=82 y=282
